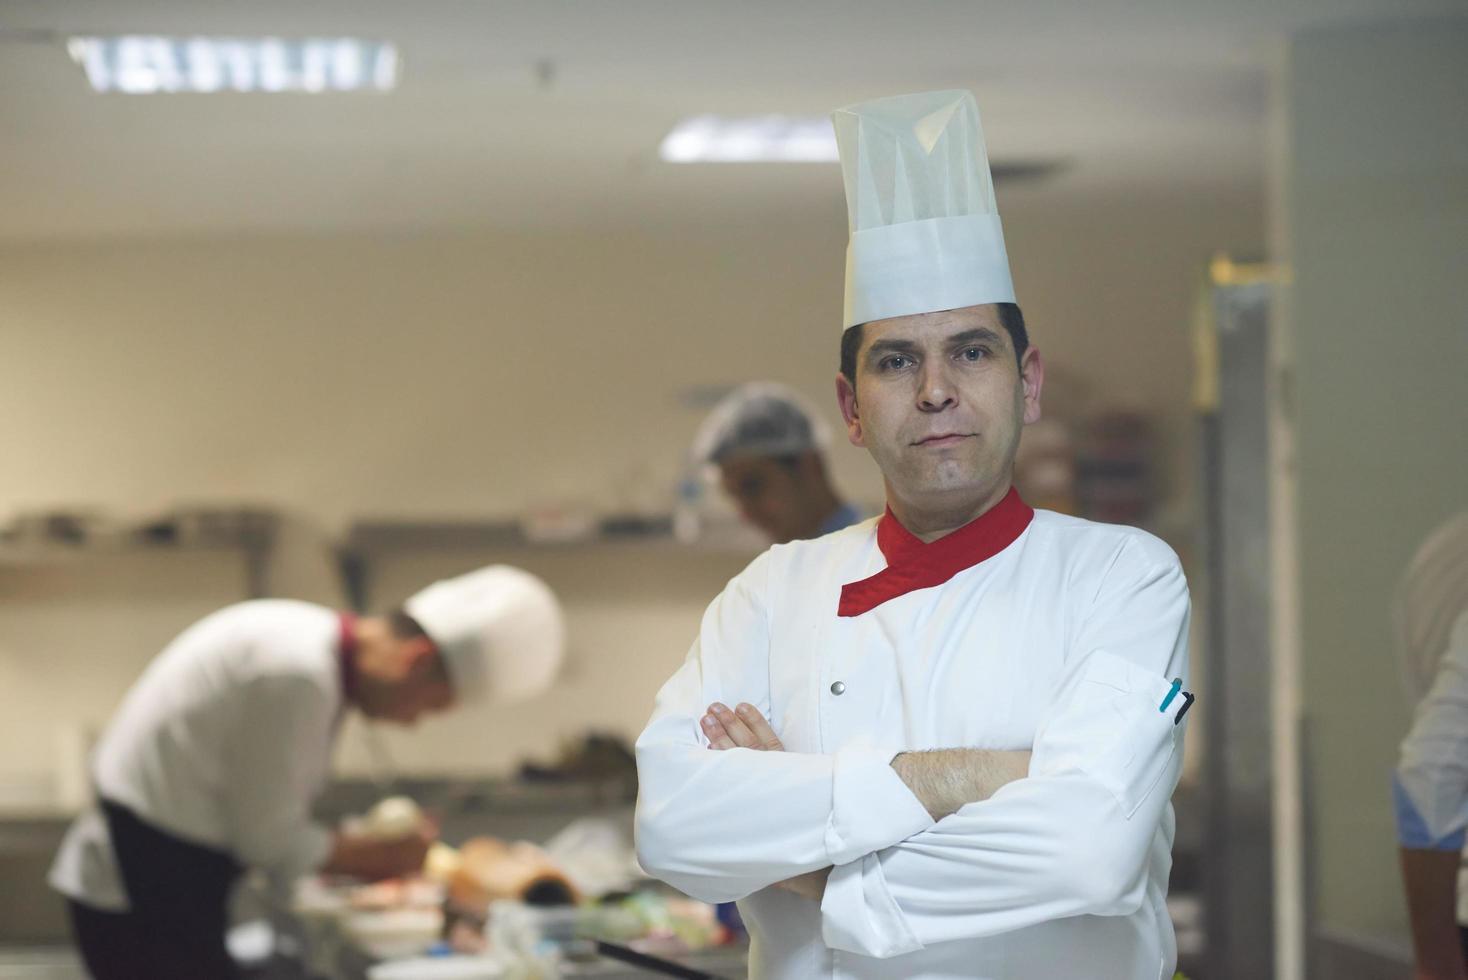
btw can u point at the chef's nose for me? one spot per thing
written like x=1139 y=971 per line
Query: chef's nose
x=935 y=390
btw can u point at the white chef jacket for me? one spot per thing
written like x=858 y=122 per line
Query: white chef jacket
x=222 y=742
x=1430 y=785
x=1062 y=643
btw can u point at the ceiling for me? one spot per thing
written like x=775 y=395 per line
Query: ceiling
x=546 y=114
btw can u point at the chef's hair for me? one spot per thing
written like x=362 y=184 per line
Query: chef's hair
x=405 y=627
x=1010 y=316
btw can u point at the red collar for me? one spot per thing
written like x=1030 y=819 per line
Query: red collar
x=913 y=564
x=346 y=650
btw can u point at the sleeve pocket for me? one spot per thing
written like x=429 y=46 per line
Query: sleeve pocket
x=1135 y=756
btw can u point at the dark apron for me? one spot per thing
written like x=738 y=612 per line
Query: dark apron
x=178 y=892
x=178 y=896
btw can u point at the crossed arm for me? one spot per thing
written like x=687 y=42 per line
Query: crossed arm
x=943 y=780
x=917 y=848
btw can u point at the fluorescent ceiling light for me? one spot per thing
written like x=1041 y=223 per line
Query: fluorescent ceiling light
x=758 y=139
x=141 y=65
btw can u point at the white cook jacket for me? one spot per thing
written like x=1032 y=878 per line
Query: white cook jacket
x=223 y=741
x=1433 y=766
x=1430 y=614
x=1063 y=643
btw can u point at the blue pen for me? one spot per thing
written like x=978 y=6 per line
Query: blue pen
x=1177 y=685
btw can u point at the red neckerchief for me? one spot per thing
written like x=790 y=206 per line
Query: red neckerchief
x=913 y=564
x=346 y=654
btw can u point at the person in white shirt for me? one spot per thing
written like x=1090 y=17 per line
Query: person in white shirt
x=1430 y=784
x=941 y=743
x=769 y=452
x=211 y=763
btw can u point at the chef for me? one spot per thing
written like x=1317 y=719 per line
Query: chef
x=943 y=742
x=768 y=451
x=210 y=764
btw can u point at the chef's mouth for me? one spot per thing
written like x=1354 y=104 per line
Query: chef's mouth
x=945 y=439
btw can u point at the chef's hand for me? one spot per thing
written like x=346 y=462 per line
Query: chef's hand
x=373 y=858
x=746 y=728
x=742 y=728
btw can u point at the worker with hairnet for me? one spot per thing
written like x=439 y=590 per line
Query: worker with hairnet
x=768 y=450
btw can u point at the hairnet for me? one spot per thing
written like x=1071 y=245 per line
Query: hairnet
x=759 y=419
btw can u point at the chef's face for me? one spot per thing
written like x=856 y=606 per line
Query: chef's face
x=770 y=492
x=419 y=686
x=427 y=696
x=939 y=402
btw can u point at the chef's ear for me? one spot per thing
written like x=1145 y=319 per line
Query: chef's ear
x=419 y=652
x=846 y=398
x=1032 y=377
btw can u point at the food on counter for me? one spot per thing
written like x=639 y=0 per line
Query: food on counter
x=395 y=816
x=492 y=870
x=523 y=907
x=442 y=863
x=391 y=820
x=396 y=893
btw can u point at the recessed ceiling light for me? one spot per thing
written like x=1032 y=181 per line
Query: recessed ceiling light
x=757 y=139
x=138 y=64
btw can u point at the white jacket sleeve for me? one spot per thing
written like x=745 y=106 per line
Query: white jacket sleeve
x=275 y=771
x=1433 y=766
x=1076 y=835
x=721 y=825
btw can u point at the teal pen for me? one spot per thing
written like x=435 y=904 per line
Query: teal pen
x=1177 y=685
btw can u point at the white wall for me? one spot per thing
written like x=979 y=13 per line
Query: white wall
x=478 y=374
x=473 y=375
x=73 y=636
x=1376 y=198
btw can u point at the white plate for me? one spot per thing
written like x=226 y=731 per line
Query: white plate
x=438 y=968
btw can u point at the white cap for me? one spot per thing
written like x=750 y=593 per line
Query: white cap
x=759 y=419
x=500 y=631
x=925 y=232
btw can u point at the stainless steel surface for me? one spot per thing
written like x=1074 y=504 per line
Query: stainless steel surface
x=40 y=963
x=1237 y=608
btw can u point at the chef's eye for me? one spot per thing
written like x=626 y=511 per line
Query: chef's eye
x=894 y=362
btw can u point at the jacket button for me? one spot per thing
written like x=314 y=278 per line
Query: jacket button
x=838 y=688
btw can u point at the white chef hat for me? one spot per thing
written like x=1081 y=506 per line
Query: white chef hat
x=925 y=232
x=500 y=631
x=761 y=418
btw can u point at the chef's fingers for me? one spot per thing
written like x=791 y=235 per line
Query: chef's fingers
x=718 y=738
x=737 y=729
x=768 y=740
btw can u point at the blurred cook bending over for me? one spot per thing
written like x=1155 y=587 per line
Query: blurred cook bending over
x=769 y=452
x=210 y=765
